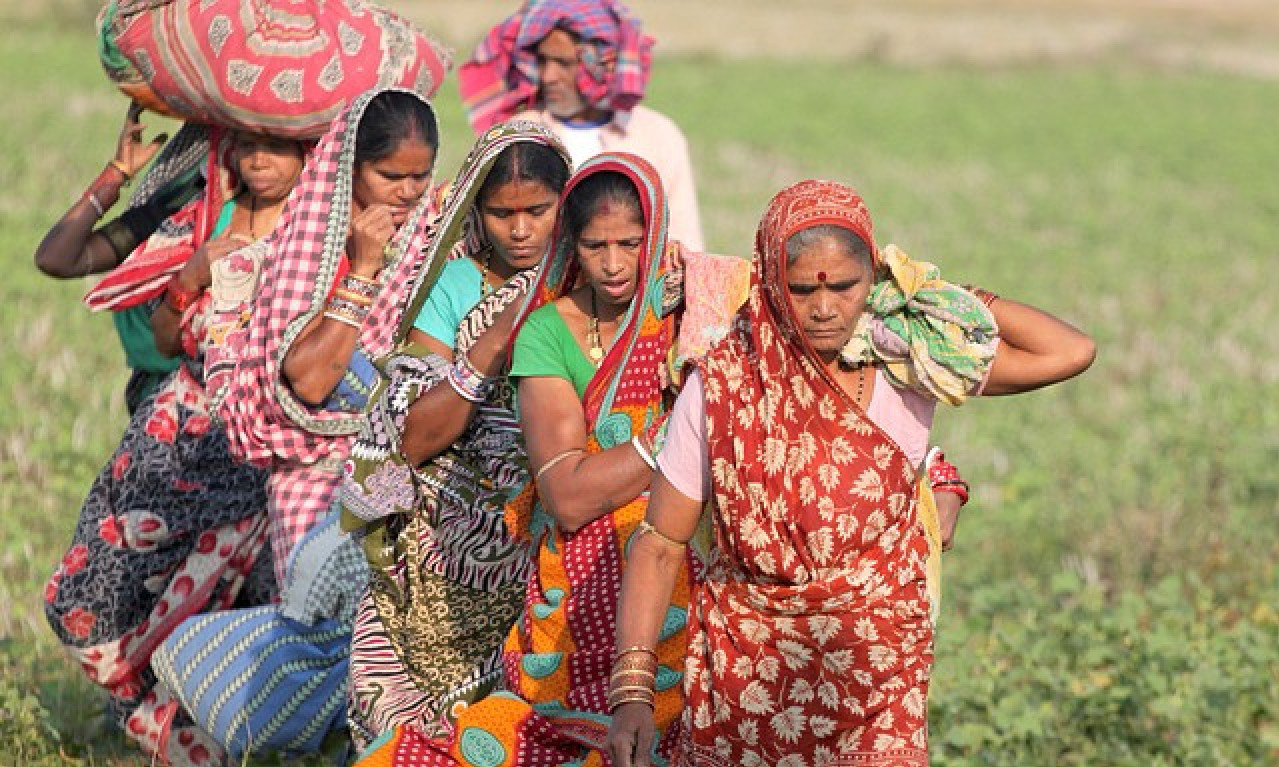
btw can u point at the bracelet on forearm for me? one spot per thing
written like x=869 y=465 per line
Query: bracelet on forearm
x=124 y=172
x=360 y=286
x=352 y=311
x=469 y=383
x=943 y=477
x=178 y=298
x=355 y=298
x=343 y=317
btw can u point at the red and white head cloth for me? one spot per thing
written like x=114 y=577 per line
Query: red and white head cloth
x=501 y=78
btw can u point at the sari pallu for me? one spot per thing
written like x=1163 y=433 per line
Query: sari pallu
x=809 y=638
x=172 y=527
x=558 y=656
x=267 y=425
x=448 y=576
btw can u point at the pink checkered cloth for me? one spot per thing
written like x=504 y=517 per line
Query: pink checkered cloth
x=500 y=79
x=266 y=424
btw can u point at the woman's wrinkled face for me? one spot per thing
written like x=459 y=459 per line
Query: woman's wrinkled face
x=519 y=218
x=608 y=251
x=268 y=166
x=828 y=287
x=397 y=180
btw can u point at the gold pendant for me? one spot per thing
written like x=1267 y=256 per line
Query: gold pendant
x=596 y=354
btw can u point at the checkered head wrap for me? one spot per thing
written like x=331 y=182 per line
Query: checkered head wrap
x=501 y=78
x=264 y=420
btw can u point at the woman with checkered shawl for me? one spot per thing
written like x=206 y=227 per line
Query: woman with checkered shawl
x=329 y=288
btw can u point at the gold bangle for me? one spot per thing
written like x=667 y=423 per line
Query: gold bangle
x=353 y=297
x=635 y=649
x=123 y=170
x=552 y=463
x=615 y=702
x=647 y=527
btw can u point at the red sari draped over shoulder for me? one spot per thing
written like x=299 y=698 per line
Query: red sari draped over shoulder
x=809 y=638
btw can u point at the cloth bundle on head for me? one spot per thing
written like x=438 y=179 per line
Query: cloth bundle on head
x=284 y=67
x=302 y=261
x=930 y=335
x=501 y=78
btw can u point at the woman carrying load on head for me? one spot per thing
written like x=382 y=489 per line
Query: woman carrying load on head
x=326 y=304
x=588 y=358
x=74 y=248
x=429 y=480
x=809 y=634
x=329 y=285
x=173 y=526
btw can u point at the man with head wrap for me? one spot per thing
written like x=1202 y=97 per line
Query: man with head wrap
x=581 y=68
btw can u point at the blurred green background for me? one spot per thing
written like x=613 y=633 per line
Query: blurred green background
x=1111 y=599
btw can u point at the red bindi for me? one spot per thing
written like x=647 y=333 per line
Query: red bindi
x=821 y=277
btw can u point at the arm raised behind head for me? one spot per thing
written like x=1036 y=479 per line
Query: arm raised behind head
x=1036 y=349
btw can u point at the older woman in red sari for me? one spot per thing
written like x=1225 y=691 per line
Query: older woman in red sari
x=809 y=637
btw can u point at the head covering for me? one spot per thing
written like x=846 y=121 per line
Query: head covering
x=302 y=259
x=628 y=375
x=377 y=460
x=817 y=535
x=501 y=78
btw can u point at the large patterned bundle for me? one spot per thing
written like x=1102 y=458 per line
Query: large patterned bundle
x=285 y=67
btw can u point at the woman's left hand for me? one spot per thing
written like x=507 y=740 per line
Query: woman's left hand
x=948 y=505
x=630 y=737
x=371 y=229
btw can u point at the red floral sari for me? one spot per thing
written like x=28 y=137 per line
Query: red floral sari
x=809 y=638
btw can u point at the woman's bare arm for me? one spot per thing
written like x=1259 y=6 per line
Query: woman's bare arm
x=579 y=488
x=72 y=248
x=1036 y=349
x=651 y=569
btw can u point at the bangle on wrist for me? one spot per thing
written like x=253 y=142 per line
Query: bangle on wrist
x=95 y=204
x=177 y=298
x=124 y=172
x=343 y=318
x=469 y=383
x=353 y=312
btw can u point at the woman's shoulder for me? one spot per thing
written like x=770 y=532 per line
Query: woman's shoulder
x=458 y=271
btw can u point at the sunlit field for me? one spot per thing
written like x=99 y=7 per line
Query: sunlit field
x=1111 y=599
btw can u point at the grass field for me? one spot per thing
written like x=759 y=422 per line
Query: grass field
x=1111 y=599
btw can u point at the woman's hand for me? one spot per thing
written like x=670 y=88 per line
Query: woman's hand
x=948 y=505
x=630 y=737
x=130 y=152
x=197 y=273
x=371 y=229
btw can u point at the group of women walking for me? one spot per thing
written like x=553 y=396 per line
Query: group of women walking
x=437 y=468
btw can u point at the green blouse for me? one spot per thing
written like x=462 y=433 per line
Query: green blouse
x=546 y=348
